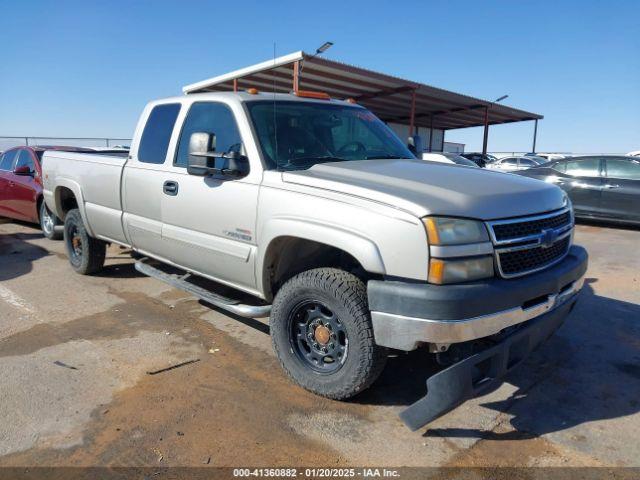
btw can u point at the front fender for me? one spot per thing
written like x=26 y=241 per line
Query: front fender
x=359 y=247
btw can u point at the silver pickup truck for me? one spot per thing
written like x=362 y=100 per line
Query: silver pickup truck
x=349 y=243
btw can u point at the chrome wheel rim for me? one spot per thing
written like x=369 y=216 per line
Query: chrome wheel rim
x=47 y=221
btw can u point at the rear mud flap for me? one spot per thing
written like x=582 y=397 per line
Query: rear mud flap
x=481 y=371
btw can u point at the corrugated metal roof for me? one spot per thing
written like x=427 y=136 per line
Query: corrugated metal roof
x=387 y=96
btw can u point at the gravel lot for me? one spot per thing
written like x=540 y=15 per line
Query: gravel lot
x=75 y=352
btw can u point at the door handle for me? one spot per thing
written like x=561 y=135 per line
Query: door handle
x=586 y=186
x=609 y=186
x=170 y=188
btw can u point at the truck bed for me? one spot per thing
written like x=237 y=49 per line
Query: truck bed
x=99 y=198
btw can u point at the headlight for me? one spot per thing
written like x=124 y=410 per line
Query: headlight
x=456 y=271
x=454 y=231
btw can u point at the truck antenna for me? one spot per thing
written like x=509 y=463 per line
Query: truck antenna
x=275 y=123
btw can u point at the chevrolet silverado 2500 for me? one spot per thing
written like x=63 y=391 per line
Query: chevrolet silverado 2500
x=350 y=244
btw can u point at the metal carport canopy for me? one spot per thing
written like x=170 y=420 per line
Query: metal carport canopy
x=391 y=98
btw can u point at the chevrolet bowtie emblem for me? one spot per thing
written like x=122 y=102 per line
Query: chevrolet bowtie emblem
x=548 y=237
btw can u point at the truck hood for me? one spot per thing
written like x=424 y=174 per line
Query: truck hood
x=430 y=188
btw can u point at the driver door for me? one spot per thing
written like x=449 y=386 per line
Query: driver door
x=208 y=223
x=23 y=189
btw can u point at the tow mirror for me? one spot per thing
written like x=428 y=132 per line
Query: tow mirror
x=23 y=171
x=204 y=160
x=414 y=144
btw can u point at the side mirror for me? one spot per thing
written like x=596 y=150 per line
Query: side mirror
x=204 y=160
x=23 y=171
x=414 y=144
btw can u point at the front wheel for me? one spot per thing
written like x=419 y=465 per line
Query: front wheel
x=322 y=333
x=86 y=254
x=49 y=223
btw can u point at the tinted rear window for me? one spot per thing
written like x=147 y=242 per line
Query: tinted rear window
x=157 y=133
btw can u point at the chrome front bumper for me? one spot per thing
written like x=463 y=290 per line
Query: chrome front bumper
x=407 y=333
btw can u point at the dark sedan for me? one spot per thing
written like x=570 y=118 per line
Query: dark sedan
x=600 y=187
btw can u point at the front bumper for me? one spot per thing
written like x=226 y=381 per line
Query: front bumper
x=480 y=372
x=405 y=315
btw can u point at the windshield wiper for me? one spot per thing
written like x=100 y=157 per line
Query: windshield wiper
x=385 y=157
x=327 y=158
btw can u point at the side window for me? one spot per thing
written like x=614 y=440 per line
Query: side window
x=25 y=159
x=6 y=163
x=527 y=163
x=560 y=166
x=624 y=169
x=584 y=168
x=510 y=161
x=209 y=117
x=157 y=133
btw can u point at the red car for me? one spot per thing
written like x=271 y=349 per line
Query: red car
x=21 y=188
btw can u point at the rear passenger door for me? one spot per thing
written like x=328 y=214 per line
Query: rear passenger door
x=143 y=178
x=621 y=189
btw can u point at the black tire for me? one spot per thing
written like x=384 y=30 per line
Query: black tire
x=49 y=223
x=340 y=299
x=86 y=254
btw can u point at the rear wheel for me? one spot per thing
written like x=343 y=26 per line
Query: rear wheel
x=49 y=223
x=321 y=332
x=86 y=254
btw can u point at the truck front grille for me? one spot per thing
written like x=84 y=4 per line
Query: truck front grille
x=508 y=231
x=527 y=245
x=526 y=260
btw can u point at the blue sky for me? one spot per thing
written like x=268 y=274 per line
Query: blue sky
x=78 y=68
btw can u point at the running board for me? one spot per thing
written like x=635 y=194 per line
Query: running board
x=180 y=282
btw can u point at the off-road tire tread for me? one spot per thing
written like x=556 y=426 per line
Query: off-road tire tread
x=94 y=250
x=351 y=292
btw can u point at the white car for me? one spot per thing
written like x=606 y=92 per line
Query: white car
x=447 y=157
x=551 y=156
x=513 y=164
x=635 y=153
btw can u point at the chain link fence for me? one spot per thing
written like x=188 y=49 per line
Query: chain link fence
x=7 y=142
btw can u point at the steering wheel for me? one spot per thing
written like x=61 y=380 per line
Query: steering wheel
x=345 y=149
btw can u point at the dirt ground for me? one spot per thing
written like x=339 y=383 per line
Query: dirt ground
x=75 y=353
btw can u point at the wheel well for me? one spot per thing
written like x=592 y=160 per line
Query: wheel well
x=66 y=200
x=288 y=256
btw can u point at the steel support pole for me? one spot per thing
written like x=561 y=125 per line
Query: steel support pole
x=431 y=135
x=535 y=136
x=235 y=84
x=413 y=113
x=486 y=131
x=296 y=76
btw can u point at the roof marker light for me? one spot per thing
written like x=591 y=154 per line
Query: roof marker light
x=311 y=94
x=252 y=91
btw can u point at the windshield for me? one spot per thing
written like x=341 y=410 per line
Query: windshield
x=297 y=135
